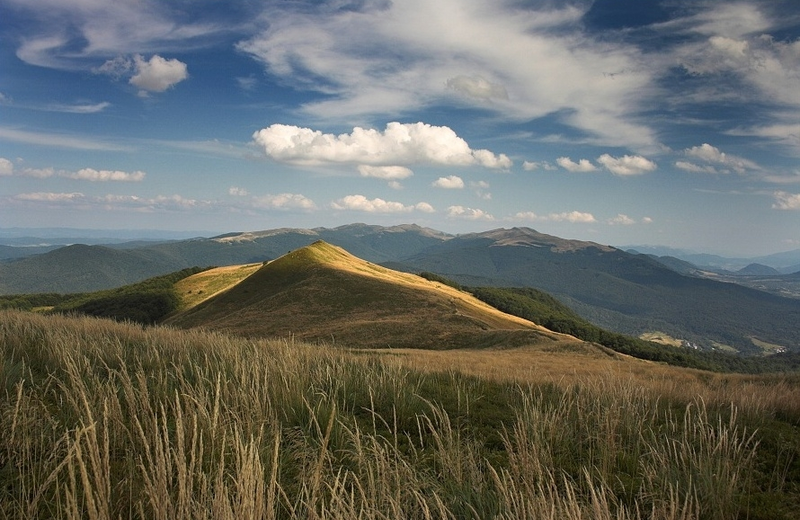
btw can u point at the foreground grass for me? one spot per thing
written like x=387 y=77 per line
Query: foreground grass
x=107 y=420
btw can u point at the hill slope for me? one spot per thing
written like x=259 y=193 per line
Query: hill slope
x=617 y=290
x=322 y=293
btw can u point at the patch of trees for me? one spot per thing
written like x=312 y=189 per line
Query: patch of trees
x=545 y=310
x=146 y=302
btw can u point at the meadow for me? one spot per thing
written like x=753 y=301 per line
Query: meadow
x=116 y=420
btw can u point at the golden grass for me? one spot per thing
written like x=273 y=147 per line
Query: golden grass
x=199 y=287
x=109 y=420
x=567 y=364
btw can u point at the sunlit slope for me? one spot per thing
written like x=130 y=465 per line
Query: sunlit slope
x=322 y=293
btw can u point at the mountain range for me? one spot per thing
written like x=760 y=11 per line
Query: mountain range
x=616 y=289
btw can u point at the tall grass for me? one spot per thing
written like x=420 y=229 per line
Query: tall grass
x=107 y=420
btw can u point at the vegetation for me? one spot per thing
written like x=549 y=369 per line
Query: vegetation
x=545 y=310
x=108 y=420
x=146 y=302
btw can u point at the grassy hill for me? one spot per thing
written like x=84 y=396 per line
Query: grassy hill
x=322 y=293
x=627 y=293
x=112 y=420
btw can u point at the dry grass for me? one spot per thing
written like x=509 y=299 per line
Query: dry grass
x=199 y=287
x=107 y=420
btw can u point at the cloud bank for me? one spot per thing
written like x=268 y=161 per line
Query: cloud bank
x=398 y=144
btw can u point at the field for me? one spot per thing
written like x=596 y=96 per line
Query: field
x=109 y=420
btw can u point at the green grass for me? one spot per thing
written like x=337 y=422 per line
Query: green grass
x=107 y=420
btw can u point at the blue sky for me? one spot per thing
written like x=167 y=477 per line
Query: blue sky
x=652 y=122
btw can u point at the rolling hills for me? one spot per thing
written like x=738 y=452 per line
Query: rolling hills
x=322 y=293
x=617 y=290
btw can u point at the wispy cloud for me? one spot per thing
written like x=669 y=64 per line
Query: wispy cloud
x=367 y=63
x=48 y=139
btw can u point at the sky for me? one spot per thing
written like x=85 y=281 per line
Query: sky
x=661 y=122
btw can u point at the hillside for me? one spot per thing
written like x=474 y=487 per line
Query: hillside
x=322 y=293
x=83 y=268
x=627 y=293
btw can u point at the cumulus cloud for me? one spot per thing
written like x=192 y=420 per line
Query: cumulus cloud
x=786 y=201
x=398 y=144
x=90 y=174
x=461 y=212
x=385 y=172
x=621 y=220
x=284 y=201
x=377 y=205
x=713 y=156
x=583 y=165
x=158 y=74
x=6 y=167
x=627 y=164
x=451 y=182
x=237 y=192
x=575 y=217
x=154 y=75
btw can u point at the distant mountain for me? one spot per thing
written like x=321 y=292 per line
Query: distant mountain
x=617 y=290
x=785 y=262
x=82 y=268
x=756 y=269
x=121 y=264
x=323 y=293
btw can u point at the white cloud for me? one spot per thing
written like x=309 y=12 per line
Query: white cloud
x=38 y=173
x=713 y=155
x=50 y=197
x=575 y=217
x=694 y=168
x=461 y=212
x=385 y=172
x=451 y=182
x=584 y=165
x=477 y=87
x=544 y=165
x=284 y=201
x=736 y=42
x=79 y=109
x=157 y=74
x=237 y=192
x=398 y=144
x=90 y=174
x=787 y=201
x=621 y=220
x=627 y=164
x=59 y=140
x=368 y=62
x=6 y=167
x=377 y=205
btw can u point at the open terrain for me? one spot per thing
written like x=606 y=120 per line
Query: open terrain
x=322 y=293
x=108 y=420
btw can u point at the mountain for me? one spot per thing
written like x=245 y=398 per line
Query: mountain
x=756 y=269
x=65 y=269
x=624 y=292
x=82 y=268
x=323 y=293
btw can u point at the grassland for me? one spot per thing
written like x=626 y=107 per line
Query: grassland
x=108 y=420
